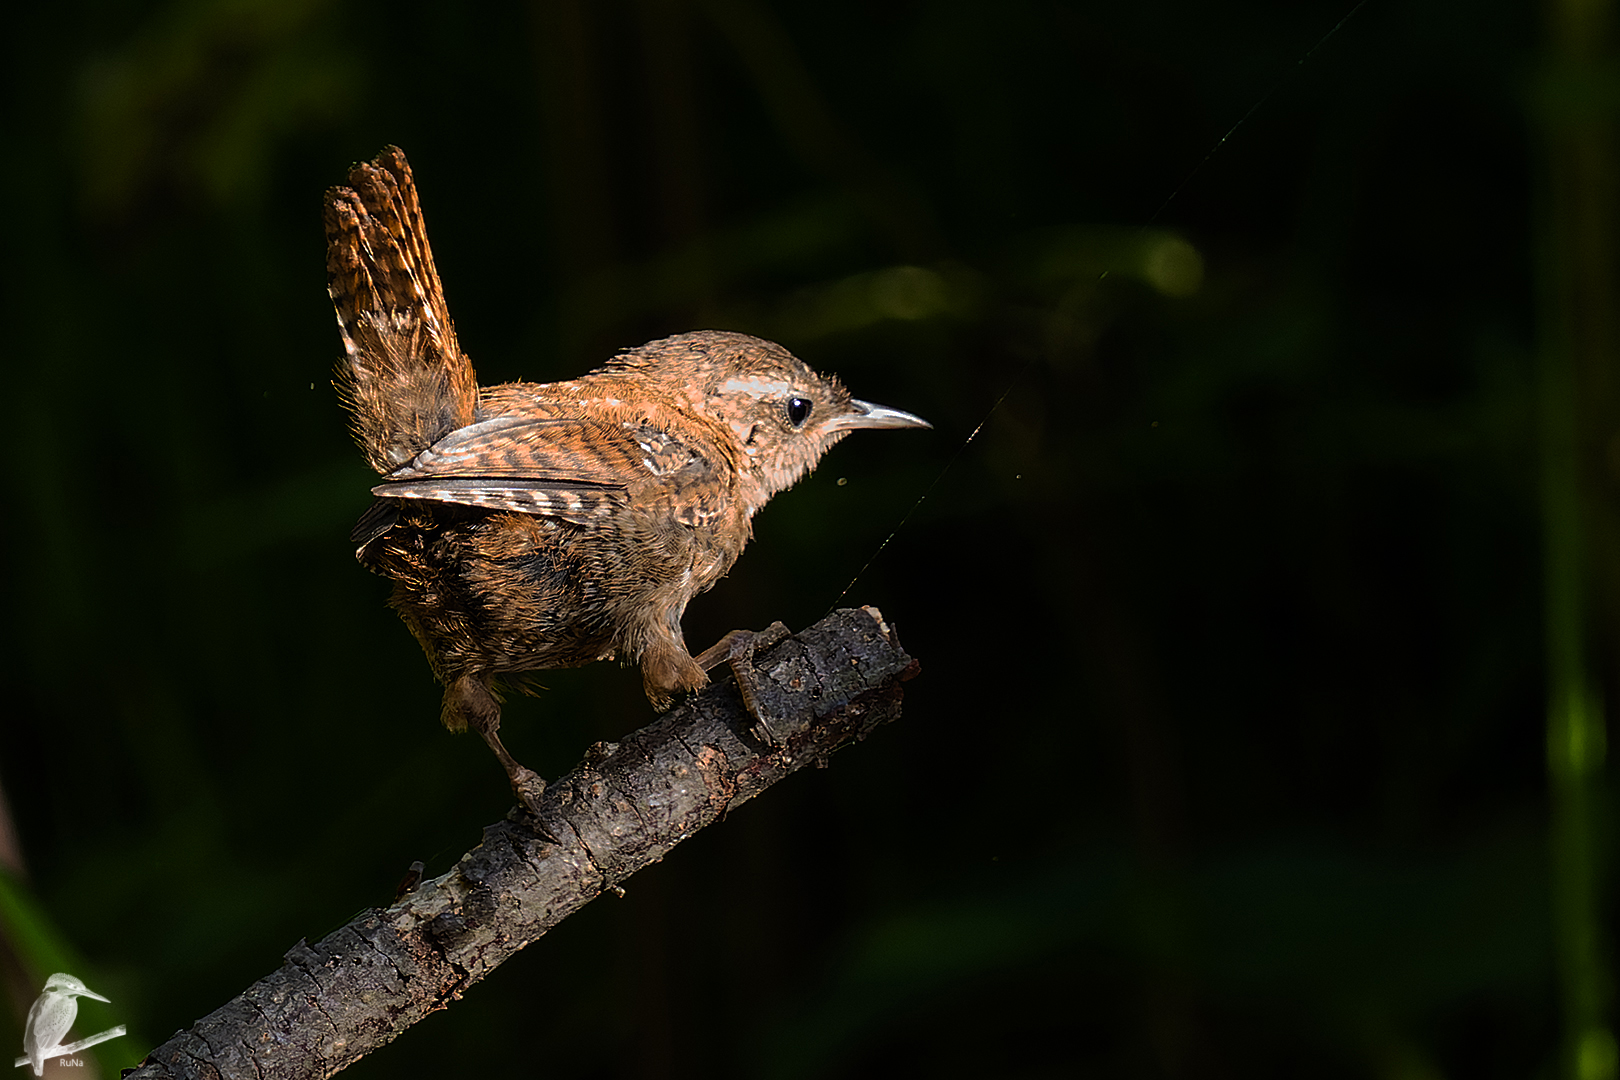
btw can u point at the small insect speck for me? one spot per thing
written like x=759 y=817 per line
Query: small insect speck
x=1155 y=423
x=842 y=480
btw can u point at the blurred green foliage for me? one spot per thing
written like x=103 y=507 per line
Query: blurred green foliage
x=1228 y=756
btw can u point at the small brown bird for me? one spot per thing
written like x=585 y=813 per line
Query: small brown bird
x=531 y=526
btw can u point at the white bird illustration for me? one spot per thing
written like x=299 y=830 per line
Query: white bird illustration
x=51 y=1017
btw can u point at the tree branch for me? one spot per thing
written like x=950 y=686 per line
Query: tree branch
x=627 y=805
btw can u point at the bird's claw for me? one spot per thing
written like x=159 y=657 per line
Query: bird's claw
x=737 y=650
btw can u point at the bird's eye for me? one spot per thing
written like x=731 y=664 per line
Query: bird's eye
x=798 y=411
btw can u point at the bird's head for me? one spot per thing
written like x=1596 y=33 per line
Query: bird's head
x=69 y=986
x=782 y=414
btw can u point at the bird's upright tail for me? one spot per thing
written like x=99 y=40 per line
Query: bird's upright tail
x=403 y=376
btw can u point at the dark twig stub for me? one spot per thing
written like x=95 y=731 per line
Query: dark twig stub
x=627 y=805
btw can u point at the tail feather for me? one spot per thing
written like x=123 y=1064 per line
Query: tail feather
x=403 y=377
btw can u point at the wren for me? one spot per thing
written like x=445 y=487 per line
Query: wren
x=530 y=526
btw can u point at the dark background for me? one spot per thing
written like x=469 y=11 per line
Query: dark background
x=1229 y=754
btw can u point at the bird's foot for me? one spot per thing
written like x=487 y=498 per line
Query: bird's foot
x=737 y=650
x=469 y=703
x=529 y=787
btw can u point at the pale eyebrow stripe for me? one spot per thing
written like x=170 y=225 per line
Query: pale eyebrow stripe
x=755 y=387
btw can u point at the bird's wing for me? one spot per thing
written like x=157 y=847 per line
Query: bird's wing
x=570 y=468
x=49 y=1019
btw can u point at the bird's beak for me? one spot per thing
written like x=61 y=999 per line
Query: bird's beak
x=863 y=414
x=89 y=993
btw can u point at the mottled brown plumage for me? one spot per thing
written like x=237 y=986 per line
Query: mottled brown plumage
x=531 y=526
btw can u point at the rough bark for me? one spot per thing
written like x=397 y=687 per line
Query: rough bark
x=627 y=805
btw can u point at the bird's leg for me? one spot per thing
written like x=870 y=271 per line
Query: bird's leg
x=737 y=650
x=468 y=703
x=668 y=669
